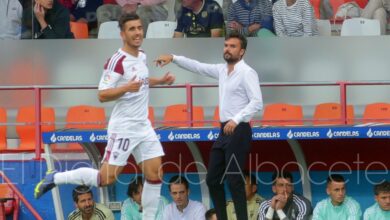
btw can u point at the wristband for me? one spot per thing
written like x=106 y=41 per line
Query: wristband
x=281 y=214
x=270 y=213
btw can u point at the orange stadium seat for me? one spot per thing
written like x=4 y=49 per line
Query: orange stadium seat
x=330 y=114
x=26 y=132
x=216 y=122
x=280 y=114
x=9 y=202
x=79 y=30
x=86 y=117
x=377 y=113
x=151 y=115
x=3 y=129
x=176 y=116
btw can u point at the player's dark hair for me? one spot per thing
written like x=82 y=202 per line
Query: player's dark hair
x=125 y=17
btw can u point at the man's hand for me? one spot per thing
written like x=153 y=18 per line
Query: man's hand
x=235 y=25
x=39 y=12
x=254 y=27
x=281 y=201
x=134 y=85
x=168 y=78
x=273 y=202
x=229 y=127
x=163 y=60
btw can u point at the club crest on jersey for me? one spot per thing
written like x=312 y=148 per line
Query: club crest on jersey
x=133 y=69
x=106 y=77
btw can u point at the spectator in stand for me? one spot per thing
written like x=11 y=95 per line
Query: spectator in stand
x=381 y=209
x=85 y=11
x=182 y=207
x=148 y=10
x=10 y=19
x=86 y=208
x=338 y=205
x=200 y=18
x=131 y=208
x=250 y=16
x=252 y=198
x=51 y=20
x=294 y=18
x=285 y=203
x=378 y=9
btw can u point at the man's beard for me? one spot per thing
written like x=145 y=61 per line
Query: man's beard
x=229 y=58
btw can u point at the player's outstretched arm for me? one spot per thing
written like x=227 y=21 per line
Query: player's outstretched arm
x=167 y=79
x=163 y=60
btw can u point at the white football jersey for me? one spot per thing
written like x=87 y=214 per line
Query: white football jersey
x=130 y=112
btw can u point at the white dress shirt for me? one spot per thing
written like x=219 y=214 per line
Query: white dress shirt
x=194 y=211
x=239 y=92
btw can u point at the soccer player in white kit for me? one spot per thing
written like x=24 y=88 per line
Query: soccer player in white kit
x=126 y=81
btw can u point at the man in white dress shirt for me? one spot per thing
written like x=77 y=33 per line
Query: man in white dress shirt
x=239 y=99
x=182 y=208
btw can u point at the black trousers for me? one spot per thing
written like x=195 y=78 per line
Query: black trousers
x=228 y=157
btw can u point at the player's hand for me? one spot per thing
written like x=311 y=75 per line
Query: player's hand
x=168 y=78
x=163 y=60
x=134 y=85
x=229 y=127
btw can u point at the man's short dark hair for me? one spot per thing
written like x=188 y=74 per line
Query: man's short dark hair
x=178 y=180
x=80 y=190
x=282 y=174
x=251 y=177
x=210 y=213
x=382 y=188
x=125 y=17
x=242 y=38
x=134 y=185
x=335 y=178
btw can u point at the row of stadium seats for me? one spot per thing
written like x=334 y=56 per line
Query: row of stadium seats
x=91 y=117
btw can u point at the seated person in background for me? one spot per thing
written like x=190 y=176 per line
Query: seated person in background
x=85 y=11
x=211 y=214
x=11 y=12
x=131 y=207
x=200 y=18
x=148 y=10
x=182 y=207
x=338 y=205
x=67 y=3
x=86 y=206
x=249 y=16
x=381 y=209
x=294 y=18
x=51 y=20
x=285 y=204
x=378 y=9
x=253 y=199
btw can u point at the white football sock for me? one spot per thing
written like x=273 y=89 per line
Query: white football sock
x=81 y=176
x=150 y=199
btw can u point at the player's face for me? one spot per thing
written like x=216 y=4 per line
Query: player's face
x=137 y=196
x=232 y=51
x=383 y=199
x=283 y=186
x=133 y=33
x=47 y=4
x=250 y=190
x=85 y=203
x=336 y=192
x=180 y=194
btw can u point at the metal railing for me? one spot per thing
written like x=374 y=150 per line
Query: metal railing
x=37 y=90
